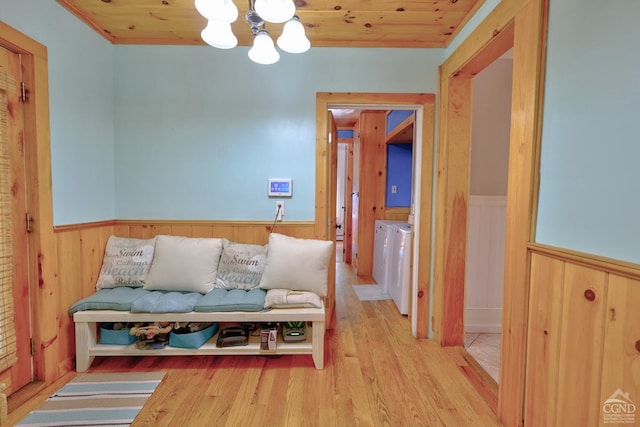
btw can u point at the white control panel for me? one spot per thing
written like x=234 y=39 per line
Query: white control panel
x=280 y=187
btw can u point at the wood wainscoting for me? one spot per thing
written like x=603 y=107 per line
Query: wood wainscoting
x=583 y=338
x=81 y=250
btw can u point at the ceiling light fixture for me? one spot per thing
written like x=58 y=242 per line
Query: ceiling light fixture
x=221 y=13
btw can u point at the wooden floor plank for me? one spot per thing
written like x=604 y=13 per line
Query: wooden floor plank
x=376 y=374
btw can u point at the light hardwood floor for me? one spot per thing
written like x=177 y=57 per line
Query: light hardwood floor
x=376 y=374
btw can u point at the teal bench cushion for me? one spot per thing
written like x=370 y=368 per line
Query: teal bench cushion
x=119 y=299
x=232 y=300
x=166 y=302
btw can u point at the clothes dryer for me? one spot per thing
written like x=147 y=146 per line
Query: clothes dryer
x=381 y=254
x=399 y=283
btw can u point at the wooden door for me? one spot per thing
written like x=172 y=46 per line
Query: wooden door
x=332 y=186
x=12 y=130
x=348 y=208
x=355 y=198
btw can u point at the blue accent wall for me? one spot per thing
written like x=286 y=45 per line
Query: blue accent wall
x=399 y=174
x=345 y=133
x=395 y=117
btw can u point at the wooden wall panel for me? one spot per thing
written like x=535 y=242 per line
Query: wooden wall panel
x=246 y=232
x=580 y=355
x=69 y=256
x=583 y=339
x=396 y=214
x=544 y=335
x=621 y=358
x=372 y=183
x=81 y=250
x=80 y=254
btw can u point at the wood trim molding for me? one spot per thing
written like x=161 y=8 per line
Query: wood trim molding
x=521 y=23
x=608 y=265
x=123 y=222
x=427 y=103
x=43 y=254
x=83 y=226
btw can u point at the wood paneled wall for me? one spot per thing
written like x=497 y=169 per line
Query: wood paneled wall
x=81 y=250
x=583 y=338
x=372 y=167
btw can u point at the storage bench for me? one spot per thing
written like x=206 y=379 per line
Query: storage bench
x=88 y=322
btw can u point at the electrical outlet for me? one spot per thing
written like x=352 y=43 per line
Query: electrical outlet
x=279 y=210
x=394 y=189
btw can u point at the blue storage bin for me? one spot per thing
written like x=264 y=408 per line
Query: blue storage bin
x=194 y=339
x=119 y=337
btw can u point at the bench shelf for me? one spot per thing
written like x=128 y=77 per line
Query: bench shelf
x=87 y=325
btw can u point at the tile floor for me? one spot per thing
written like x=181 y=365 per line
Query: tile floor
x=485 y=348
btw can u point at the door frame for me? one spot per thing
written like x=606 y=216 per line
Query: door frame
x=43 y=256
x=521 y=23
x=424 y=104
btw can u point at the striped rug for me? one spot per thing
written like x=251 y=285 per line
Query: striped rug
x=111 y=399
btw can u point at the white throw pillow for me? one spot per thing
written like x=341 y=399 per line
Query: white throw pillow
x=241 y=265
x=187 y=264
x=297 y=264
x=284 y=298
x=126 y=262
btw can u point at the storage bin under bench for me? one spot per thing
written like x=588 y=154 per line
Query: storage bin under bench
x=87 y=324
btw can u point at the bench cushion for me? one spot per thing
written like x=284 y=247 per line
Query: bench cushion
x=166 y=302
x=119 y=299
x=232 y=300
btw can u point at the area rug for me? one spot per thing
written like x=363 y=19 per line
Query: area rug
x=370 y=292
x=110 y=399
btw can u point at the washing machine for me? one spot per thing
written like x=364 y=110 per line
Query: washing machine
x=381 y=254
x=399 y=282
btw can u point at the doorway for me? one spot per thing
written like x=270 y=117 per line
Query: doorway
x=424 y=106
x=489 y=161
x=523 y=28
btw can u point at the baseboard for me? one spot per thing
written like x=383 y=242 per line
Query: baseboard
x=483 y=320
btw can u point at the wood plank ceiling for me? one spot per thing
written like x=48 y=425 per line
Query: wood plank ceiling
x=336 y=23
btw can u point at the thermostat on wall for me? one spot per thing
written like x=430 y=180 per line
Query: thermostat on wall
x=280 y=187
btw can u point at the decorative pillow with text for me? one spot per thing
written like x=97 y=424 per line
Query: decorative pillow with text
x=241 y=265
x=126 y=262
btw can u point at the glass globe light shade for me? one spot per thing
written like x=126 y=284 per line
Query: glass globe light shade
x=275 y=11
x=218 y=34
x=293 y=39
x=263 y=50
x=220 y=10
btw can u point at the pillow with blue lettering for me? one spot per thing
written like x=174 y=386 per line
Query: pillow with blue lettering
x=241 y=265
x=126 y=262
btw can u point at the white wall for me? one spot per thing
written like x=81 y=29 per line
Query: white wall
x=200 y=130
x=81 y=96
x=589 y=198
x=192 y=132
x=490 y=129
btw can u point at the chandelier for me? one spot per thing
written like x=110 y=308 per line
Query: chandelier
x=221 y=13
